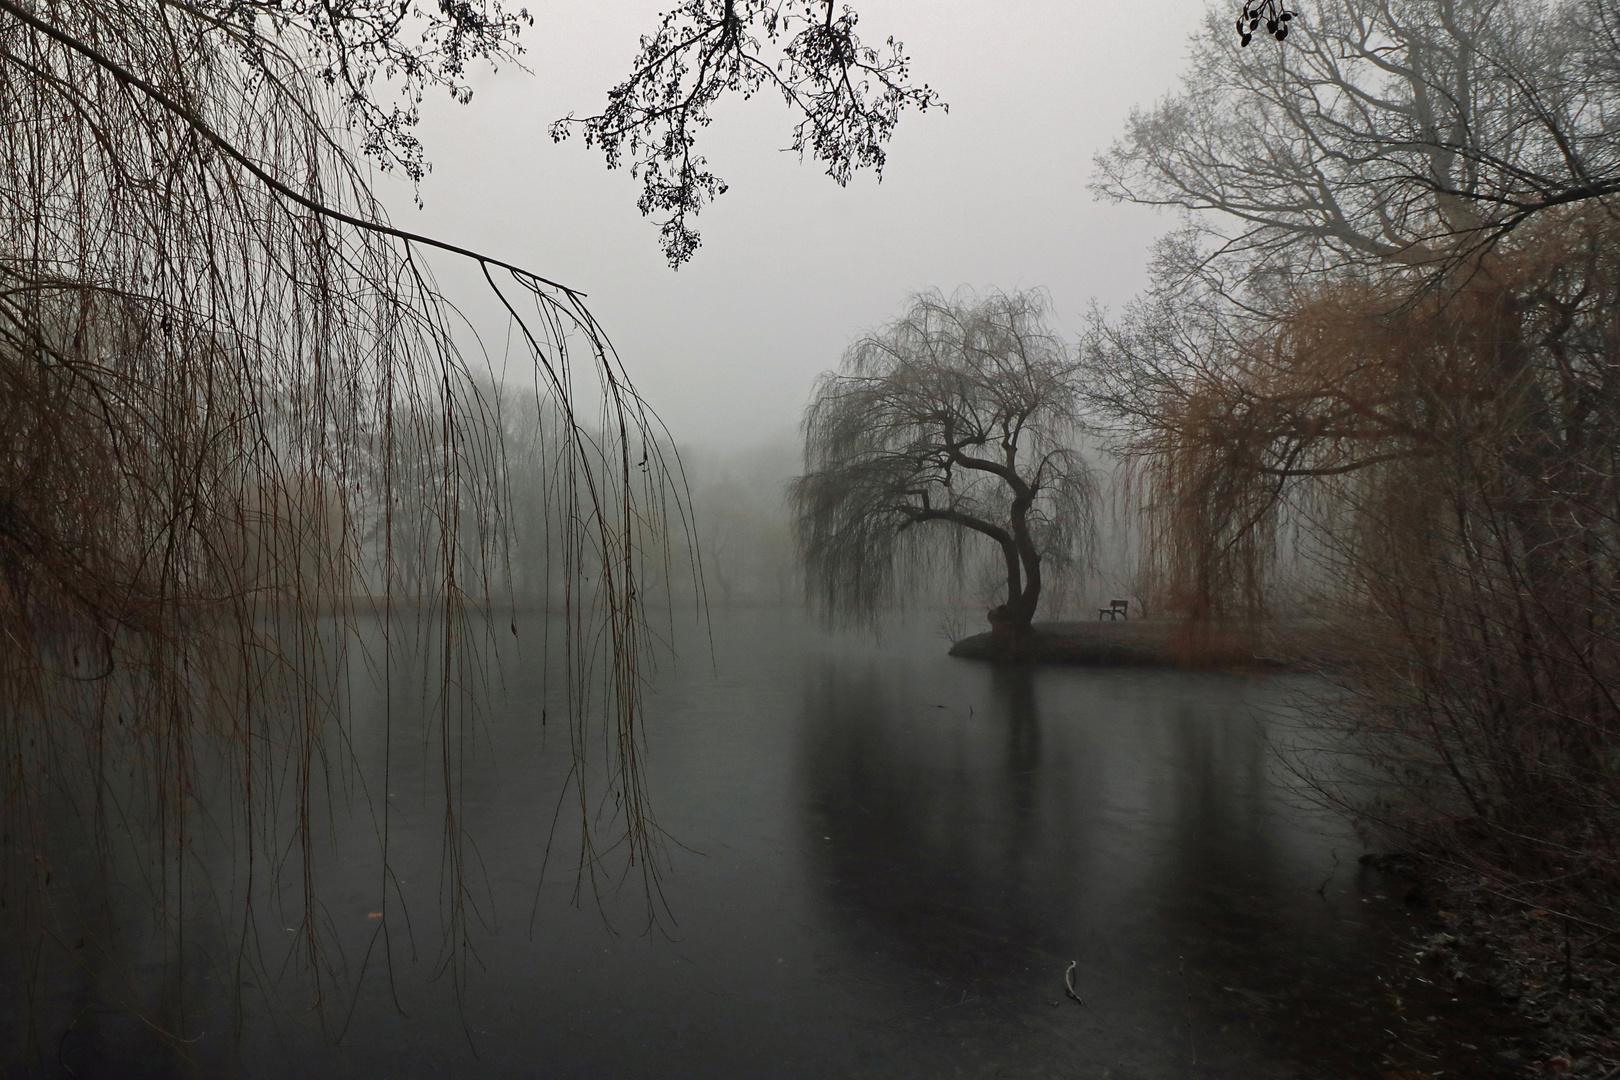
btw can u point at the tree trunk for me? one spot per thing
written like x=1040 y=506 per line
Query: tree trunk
x=1012 y=619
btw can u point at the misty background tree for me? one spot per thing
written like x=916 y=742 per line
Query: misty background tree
x=953 y=426
x=1396 y=133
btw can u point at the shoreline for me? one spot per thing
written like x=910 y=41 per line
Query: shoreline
x=1542 y=983
x=1293 y=645
x=1555 y=970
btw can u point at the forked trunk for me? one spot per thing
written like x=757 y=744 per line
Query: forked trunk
x=1012 y=619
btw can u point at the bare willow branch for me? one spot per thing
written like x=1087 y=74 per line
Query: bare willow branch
x=243 y=438
x=1440 y=472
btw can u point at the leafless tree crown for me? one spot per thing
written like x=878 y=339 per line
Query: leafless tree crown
x=1387 y=349
x=1388 y=132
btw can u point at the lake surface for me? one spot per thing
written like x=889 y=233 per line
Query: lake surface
x=881 y=861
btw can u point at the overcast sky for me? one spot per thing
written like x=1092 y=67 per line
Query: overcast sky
x=792 y=266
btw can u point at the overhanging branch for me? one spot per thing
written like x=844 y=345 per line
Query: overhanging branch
x=226 y=147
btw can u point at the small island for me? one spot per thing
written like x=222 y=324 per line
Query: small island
x=1284 y=645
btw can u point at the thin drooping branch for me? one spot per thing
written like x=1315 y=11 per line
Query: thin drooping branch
x=1431 y=476
x=247 y=457
x=195 y=123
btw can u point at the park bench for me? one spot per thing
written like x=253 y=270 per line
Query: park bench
x=1116 y=609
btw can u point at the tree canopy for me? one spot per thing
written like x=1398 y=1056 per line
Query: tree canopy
x=956 y=420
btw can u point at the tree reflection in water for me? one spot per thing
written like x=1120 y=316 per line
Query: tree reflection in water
x=1130 y=821
x=889 y=859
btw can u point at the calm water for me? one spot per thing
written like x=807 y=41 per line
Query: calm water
x=882 y=860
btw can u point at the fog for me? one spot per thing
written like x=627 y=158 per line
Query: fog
x=990 y=194
x=365 y=715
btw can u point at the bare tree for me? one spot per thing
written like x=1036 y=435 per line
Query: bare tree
x=1385 y=133
x=238 y=419
x=958 y=419
x=1445 y=463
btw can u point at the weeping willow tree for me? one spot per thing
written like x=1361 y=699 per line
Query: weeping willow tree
x=1445 y=463
x=1382 y=351
x=236 y=420
x=957 y=420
